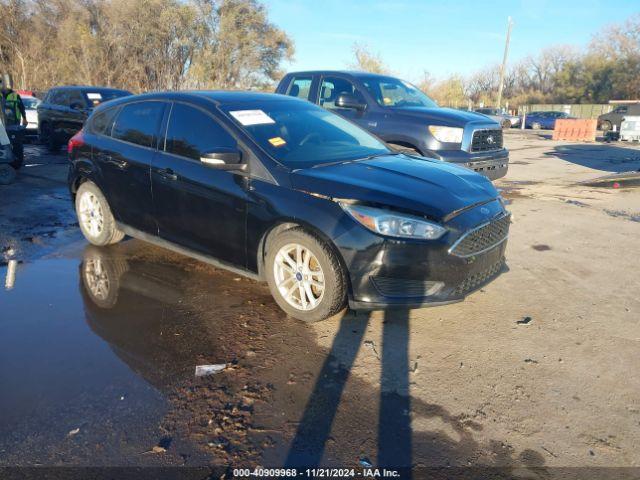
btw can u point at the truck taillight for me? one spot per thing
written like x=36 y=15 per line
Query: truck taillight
x=76 y=141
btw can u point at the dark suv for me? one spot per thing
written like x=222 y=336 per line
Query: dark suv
x=65 y=109
x=404 y=117
x=279 y=189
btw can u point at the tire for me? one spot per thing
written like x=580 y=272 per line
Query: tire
x=48 y=138
x=536 y=126
x=606 y=126
x=101 y=276
x=323 y=265
x=404 y=149
x=95 y=218
x=506 y=124
x=7 y=174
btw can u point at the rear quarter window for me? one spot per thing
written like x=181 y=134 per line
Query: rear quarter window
x=139 y=122
x=102 y=121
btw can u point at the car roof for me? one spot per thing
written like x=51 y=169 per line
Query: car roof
x=87 y=87
x=353 y=73
x=202 y=97
x=218 y=97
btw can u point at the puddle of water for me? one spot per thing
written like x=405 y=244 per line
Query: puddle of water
x=57 y=374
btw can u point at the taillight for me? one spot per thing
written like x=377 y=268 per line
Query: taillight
x=76 y=141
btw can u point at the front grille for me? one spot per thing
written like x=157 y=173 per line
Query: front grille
x=478 y=279
x=486 y=140
x=400 y=287
x=482 y=238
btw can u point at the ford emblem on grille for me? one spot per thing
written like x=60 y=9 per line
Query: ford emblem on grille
x=484 y=211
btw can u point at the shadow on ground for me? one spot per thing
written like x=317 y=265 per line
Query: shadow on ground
x=608 y=158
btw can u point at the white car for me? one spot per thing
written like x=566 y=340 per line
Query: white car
x=31 y=105
x=504 y=118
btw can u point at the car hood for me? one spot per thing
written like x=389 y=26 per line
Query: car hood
x=443 y=116
x=430 y=187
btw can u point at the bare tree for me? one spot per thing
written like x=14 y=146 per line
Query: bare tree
x=366 y=60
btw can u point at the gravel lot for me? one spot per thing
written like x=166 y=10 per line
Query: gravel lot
x=537 y=370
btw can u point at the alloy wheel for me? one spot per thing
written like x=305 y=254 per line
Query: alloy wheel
x=96 y=279
x=91 y=215
x=299 y=277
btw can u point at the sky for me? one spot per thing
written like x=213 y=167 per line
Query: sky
x=441 y=37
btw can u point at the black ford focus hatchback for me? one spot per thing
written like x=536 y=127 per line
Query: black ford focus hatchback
x=278 y=189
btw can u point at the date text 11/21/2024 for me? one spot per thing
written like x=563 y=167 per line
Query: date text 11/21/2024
x=316 y=473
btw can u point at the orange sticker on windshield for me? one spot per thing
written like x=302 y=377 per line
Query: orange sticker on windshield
x=277 y=141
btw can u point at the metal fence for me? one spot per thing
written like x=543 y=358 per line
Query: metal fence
x=588 y=110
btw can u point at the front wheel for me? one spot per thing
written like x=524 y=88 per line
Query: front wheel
x=606 y=126
x=95 y=217
x=536 y=126
x=506 y=124
x=305 y=276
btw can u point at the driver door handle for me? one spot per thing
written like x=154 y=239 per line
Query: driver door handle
x=167 y=174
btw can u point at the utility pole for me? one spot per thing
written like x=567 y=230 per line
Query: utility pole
x=504 y=61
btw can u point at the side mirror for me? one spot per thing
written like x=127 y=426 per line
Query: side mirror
x=224 y=159
x=347 y=100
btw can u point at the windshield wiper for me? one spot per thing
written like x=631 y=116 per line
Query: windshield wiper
x=368 y=157
x=376 y=155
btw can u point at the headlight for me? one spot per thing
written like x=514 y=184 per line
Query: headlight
x=446 y=134
x=392 y=224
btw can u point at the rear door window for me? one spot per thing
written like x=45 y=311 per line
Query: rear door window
x=139 y=122
x=74 y=97
x=96 y=97
x=300 y=87
x=60 y=98
x=192 y=133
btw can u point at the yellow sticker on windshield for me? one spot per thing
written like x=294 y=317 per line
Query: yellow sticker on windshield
x=277 y=141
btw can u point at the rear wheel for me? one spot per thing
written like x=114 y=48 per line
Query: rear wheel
x=48 y=138
x=606 y=126
x=305 y=276
x=536 y=125
x=506 y=124
x=95 y=217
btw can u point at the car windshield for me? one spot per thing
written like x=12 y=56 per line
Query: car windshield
x=393 y=92
x=96 y=97
x=301 y=135
x=30 y=103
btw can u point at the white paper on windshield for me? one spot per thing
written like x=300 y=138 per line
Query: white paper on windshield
x=252 y=117
x=94 y=96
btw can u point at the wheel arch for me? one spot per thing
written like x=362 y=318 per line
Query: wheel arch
x=285 y=224
x=404 y=143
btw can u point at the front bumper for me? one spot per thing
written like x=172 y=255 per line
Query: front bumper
x=409 y=274
x=492 y=165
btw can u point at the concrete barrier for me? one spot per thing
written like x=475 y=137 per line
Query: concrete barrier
x=583 y=130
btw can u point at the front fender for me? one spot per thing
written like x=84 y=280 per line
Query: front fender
x=272 y=205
